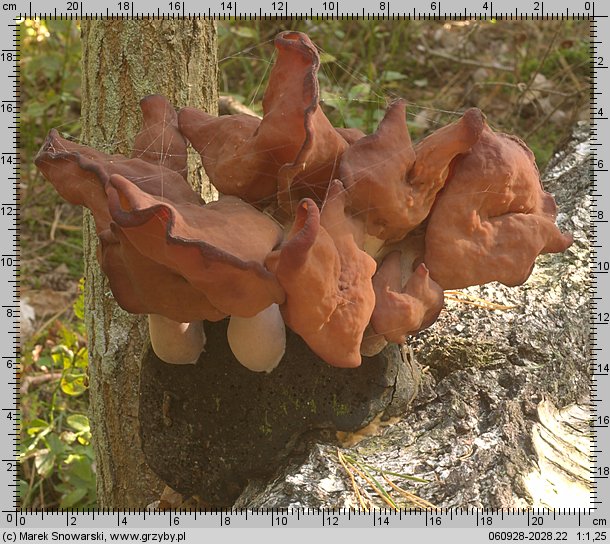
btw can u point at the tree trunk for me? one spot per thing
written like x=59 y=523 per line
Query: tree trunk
x=123 y=61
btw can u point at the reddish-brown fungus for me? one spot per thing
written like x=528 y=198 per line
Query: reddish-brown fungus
x=493 y=218
x=218 y=248
x=159 y=141
x=404 y=308
x=294 y=145
x=327 y=278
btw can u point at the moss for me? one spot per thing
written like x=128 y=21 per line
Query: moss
x=460 y=353
x=340 y=408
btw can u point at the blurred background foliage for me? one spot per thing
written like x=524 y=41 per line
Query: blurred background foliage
x=531 y=78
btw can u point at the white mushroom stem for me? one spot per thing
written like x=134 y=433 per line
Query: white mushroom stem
x=258 y=342
x=176 y=343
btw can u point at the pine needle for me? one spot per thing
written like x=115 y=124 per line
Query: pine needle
x=383 y=472
x=354 y=467
x=463 y=298
x=355 y=485
x=377 y=487
x=417 y=501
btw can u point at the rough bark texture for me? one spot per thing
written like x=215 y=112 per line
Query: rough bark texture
x=503 y=420
x=123 y=61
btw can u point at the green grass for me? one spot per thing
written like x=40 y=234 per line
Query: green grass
x=366 y=64
x=55 y=452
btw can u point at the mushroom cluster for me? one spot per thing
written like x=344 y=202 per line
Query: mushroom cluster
x=348 y=239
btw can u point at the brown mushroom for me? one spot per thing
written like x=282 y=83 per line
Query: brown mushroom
x=473 y=196
x=404 y=308
x=392 y=186
x=80 y=175
x=327 y=279
x=293 y=145
x=493 y=218
x=218 y=248
x=159 y=141
x=135 y=281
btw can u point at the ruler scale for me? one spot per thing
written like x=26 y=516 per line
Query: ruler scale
x=585 y=525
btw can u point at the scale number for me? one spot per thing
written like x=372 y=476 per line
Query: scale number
x=330 y=521
x=15 y=519
x=74 y=6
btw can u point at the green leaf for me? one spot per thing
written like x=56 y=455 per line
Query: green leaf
x=80 y=467
x=35 y=426
x=392 y=76
x=74 y=496
x=55 y=444
x=44 y=462
x=325 y=57
x=69 y=338
x=79 y=422
x=82 y=358
x=62 y=356
x=73 y=384
x=45 y=362
x=359 y=91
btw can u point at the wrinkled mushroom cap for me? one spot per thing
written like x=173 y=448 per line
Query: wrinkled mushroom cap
x=401 y=310
x=327 y=279
x=218 y=248
x=493 y=217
